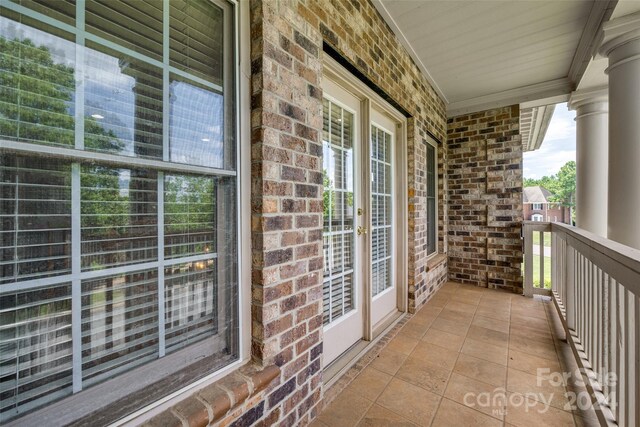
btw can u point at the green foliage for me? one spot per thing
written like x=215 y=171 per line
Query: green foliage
x=328 y=196
x=562 y=185
x=36 y=94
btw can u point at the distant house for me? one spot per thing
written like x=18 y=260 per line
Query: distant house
x=537 y=206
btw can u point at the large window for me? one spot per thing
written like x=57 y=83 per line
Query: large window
x=432 y=191
x=118 y=197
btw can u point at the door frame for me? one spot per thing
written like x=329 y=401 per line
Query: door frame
x=335 y=72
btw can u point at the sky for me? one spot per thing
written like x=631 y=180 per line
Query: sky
x=558 y=146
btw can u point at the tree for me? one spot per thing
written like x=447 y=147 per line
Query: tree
x=562 y=185
x=564 y=191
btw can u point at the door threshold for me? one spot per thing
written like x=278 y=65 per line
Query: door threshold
x=344 y=362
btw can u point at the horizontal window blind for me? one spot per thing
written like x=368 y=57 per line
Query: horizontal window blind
x=35 y=347
x=35 y=210
x=142 y=255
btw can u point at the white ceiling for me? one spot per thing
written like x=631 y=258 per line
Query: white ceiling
x=483 y=54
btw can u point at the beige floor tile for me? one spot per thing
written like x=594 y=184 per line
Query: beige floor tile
x=485 y=351
x=443 y=339
x=388 y=361
x=534 y=347
x=438 y=301
x=422 y=373
x=539 y=334
x=377 y=416
x=493 y=313
x=455 y=315
x=317 y=423
x=460 y=306
x=451 y=326
x=531 y=364
x=466 y=299
x=529 y=321
x=523 y=412
x=346 y=410
x=435 y=354
x=370 y=383
x=489 y=323
x=481 y=370
x=451 y=413
x=414 y=330
x=489 y=336
x=402 y=344
x=540 y=388
x=538 y=313
x=428 y=310
x=413 y=402
x=483 y=397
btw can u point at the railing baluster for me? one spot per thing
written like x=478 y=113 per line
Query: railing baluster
x=541 y=249
x=613 y=346
x=594 y=283
x=624 y=356
x=635 y=357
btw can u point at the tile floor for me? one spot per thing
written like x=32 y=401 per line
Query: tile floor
x=469 y=357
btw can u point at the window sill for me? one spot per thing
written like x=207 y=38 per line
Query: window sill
x=212 y=402
x=435 y=261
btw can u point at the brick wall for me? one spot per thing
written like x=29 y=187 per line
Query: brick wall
x=287 y=39
x=485 y=198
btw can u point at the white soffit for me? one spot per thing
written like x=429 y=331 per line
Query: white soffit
x=534 y=122
x=483 y=54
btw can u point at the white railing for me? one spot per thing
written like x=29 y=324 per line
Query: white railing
x=595 y=285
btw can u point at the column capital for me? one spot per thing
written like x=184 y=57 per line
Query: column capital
x=620 y=31
x=598 y=96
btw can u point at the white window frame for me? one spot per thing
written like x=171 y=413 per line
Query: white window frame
x=537 y=217
x=432 y=142
x=78 y=404
x=536 y=206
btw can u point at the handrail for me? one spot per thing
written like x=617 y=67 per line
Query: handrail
x=596 y=290
x=619 y=255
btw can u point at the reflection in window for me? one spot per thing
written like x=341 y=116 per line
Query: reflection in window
x=119 y=323
x=37 y=85
x=35 y=212
x=135 y=241
x=189 y=221
x=197 y=125
x=119 y=217
x=123 y=104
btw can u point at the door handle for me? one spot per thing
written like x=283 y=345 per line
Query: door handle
x=361 y=230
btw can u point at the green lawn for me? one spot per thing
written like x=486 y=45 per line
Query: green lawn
x=536 y=239
x=547 y=271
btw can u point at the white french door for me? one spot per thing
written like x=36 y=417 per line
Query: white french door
x=359 y=231
x=383 y=286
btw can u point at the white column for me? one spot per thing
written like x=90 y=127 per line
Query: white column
x=592 y=139
x=622 y=46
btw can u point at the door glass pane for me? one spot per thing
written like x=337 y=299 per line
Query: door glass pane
x=381 y=212
x=338 y=221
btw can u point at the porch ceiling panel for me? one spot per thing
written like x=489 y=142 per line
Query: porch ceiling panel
x=480 y=54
